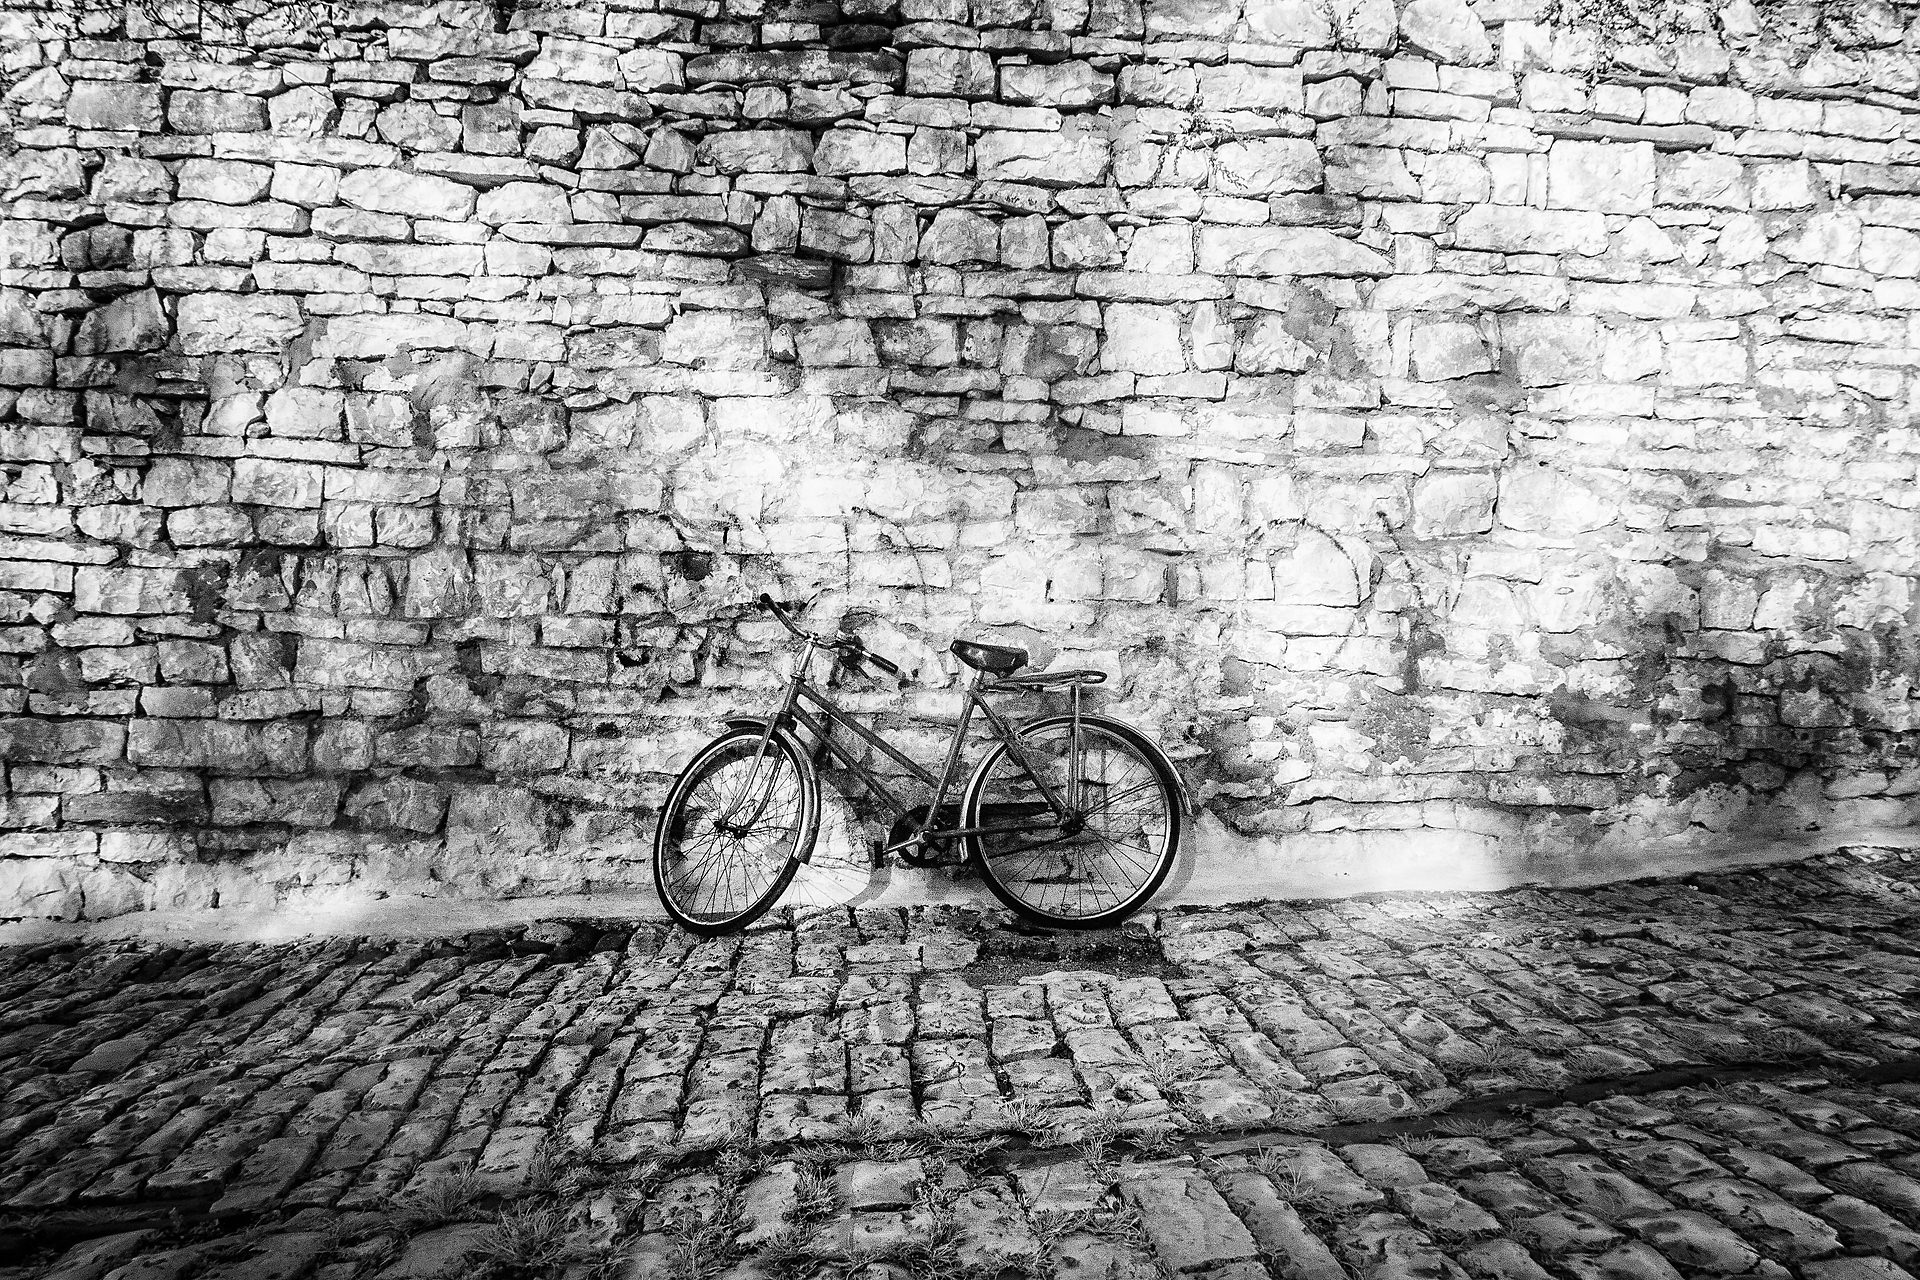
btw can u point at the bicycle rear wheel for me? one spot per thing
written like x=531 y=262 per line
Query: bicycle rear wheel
x=732 y=831
x=1092 y=873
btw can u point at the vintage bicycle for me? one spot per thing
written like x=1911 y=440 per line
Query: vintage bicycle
x=1073 y=819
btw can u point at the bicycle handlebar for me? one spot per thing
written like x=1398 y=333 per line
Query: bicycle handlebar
x=779 y=611
x=850 y=646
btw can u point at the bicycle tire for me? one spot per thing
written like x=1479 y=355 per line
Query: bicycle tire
x=1151 y=771
x=793 y=819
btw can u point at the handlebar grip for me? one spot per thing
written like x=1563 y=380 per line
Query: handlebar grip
x=855 y=648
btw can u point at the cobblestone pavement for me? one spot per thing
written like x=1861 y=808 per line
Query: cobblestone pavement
x=1709 y=1077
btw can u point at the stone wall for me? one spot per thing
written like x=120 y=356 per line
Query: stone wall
x=1457 y=434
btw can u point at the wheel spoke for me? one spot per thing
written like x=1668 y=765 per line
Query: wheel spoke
x=714 y=875
x=1126 y=815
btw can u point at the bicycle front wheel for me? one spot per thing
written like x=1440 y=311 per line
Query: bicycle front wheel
x=733 y=829
x=1118 y=843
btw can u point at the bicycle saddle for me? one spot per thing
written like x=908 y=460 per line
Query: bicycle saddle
x=995 y=659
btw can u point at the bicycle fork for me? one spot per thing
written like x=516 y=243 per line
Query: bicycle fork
x=730 y=821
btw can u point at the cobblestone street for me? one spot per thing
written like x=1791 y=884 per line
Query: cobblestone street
x=1709 y=1077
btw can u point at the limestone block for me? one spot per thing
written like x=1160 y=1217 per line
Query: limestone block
x=114 y=105
x=26 y=244
x=1890 y=251
x=579 y=61
x=214 y=323
x=1506 y=229
x=958 y=235
x=311 y=413
x=310 y=186
x=1547 y=350
x=1830 y=238
x=1449 y=349
x=1454 y=180
x=185 y=482
x=362 y=337
x=1268 y=346
x=715 y=339
x=646 y=70
x=1266 y=166
x=777 y=227
x=836 y=342
x=131 y=591
x=44 y=741
x=1371 y=173
x=306 y=802
x=1448 y=504
x=415 y=195
x=1202 y=19
x=757 y=151
x=843 y=152
x=212 y=111
x=131 y=322
x=795 y=66
x=398 y=803
x=1064 y=159
x=1285 y=251
x=1142 y=338
x=273 y=482
x=1023 y=242
x=40 y=888
x=1301 y=23
x=1785 y=184
x=132 y=180
x=1703 y=178
x=20 y=367
x=919 y=342
x=1067 y=85
x=306 y=112
x=1162 y=249
x=1536 y=498
x=1724 y=107
x=224 y=181
x=416 y=126
x=1158 y=85
x=1446 y=30
x=949 y=73
x=1613 y=177
x=1083 y=243
x=525 y=202
x=1314 y=570
x=1703 y=364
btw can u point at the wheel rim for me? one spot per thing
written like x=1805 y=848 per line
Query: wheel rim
x=1126 y=821
x=712 y=875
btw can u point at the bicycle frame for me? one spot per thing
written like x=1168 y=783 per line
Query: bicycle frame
x=805 y=706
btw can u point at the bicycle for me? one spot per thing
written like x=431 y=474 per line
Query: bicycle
x=1073 y=820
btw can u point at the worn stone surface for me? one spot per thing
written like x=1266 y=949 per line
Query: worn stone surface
x=862 y=1089
x=1470 y=447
